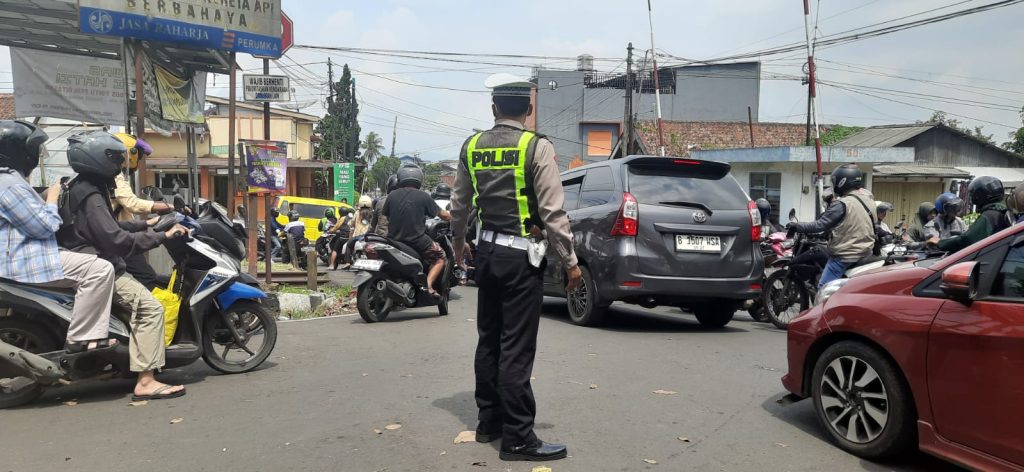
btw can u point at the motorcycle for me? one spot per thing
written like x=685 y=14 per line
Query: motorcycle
x=774 y=246
x=391 y=275
x=323 y=246
x=222 y=318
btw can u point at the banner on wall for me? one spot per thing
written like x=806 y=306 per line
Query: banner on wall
x=55 y=85
x=266 y=166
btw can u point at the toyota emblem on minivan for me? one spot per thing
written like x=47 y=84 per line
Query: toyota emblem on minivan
x=700 y=216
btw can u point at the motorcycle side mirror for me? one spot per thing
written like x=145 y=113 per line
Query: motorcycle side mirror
x=153 y=193
x=792 y=215
x=179 y=203
x=165 y=223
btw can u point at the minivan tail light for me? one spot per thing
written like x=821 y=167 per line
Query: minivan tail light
x=755 y=221
x=626 y=223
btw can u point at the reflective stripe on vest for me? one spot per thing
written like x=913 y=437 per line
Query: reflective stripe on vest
x=507 y=159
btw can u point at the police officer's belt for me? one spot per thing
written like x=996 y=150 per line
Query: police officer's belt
x=507 y=240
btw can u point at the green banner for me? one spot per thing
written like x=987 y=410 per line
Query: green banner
x=344 y=182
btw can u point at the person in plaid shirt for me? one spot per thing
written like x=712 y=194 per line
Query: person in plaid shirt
x=28 y=227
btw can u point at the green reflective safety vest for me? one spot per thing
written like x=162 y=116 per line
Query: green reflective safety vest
x=502 y=191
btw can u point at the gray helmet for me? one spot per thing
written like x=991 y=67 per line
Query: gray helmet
x=21 y=145
x=96 y=154
x=293 y=215
x=442 y=191
x=410 y=176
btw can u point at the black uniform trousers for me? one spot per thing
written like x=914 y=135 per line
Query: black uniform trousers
x=510 y=293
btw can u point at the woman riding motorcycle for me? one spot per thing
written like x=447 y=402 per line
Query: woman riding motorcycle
x=925 y=213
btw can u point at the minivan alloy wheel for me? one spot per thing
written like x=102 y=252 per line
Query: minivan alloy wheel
x=854 y=399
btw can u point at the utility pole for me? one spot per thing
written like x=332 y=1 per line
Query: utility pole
x=814 y=105
x=657 y=82
x=394 y=137
x=351 y=142
x=330 y=81
x=627 y=121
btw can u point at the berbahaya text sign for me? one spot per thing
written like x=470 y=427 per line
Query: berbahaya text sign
x=247 y=26
x=266 y=88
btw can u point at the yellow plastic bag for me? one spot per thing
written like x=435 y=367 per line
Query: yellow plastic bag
x=172 y=303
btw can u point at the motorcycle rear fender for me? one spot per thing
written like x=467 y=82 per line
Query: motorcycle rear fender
x=781 y=262
x=238 y=291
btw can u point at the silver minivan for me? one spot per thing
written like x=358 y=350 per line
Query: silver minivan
x=657 y=231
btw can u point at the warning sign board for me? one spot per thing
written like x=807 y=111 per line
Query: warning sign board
x=266 y=88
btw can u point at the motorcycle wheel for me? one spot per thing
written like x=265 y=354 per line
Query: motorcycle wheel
x=784 y=298
x=442 y=306
x=34 y=338
x=373 y=304
x=256 y=327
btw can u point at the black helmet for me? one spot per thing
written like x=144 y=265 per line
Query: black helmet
x=410 y=175
x=925 y=209
x=985 y=190
x=293 y=216
x=392 y=183
x=442 y=191
x=21 y=145
x=765 y=207
x=275 y=212
x=96 y=154
x=846 y=178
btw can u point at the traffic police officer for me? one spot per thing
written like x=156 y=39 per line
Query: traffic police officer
x=511 y=176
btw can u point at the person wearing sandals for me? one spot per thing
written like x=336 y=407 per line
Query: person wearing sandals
x=90 y=226
x=28 y=225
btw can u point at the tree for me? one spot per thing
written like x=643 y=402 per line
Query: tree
x=373 y=148
x=942 y=118
x=1016 y=142
x=339 y=128
x=384 y=168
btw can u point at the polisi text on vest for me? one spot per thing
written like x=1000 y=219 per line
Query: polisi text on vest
x=490 y=158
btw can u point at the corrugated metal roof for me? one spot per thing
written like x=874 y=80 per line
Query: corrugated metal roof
x=884 y=136
x=919 y=171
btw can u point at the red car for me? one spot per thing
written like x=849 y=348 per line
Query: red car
x=928 y=353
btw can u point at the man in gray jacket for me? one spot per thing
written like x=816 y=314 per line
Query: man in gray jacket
x=851 y=221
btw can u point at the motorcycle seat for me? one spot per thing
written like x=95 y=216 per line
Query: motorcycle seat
x=405 y=248
x=38 y=288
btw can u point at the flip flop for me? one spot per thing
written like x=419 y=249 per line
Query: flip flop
x=78 y=347
x=156 y=395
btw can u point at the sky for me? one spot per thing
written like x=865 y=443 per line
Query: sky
x=971 y=61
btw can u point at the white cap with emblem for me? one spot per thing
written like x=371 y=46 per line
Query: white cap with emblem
x=508 y=85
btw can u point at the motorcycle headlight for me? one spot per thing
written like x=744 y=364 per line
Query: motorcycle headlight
x=828 y=290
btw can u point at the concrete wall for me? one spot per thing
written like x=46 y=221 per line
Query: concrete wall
x=703 y=93
x=250 y=126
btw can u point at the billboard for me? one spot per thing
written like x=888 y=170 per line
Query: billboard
x=266 y=88
x=252 y=27
x=345 y=182
x=55 y=85
x=266 y=165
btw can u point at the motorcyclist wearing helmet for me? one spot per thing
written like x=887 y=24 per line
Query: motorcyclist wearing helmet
x=925 y=213
x=442 y=195
x=947 y=223
x=127 y=205
x=29 y=224
x=851 y=219
x=767 y=225
x=379 y=225
x=360 y=226
x=1016 y=204
x=986 y=193
x=295 y=227
x=90 y=226
x=329 y=219
x=407 y=209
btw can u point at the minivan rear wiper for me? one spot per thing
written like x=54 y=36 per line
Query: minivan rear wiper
x=699 y=206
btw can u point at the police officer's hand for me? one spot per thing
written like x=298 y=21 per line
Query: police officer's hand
x=575 y=276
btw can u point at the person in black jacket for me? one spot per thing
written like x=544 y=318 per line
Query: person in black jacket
x=90 y=227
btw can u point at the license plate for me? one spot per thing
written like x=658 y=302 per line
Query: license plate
x=368 y=264
x=698 y=243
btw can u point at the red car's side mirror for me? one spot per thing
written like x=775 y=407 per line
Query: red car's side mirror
x=960 y=281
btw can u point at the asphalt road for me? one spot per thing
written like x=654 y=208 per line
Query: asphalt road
x=330 y=382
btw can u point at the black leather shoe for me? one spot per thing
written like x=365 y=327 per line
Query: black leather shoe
x=487 y=434
x=537 y=451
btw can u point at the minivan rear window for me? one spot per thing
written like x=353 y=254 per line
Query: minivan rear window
x=310 y=211
x=653 y=185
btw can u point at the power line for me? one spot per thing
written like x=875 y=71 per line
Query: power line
x=889 y=99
